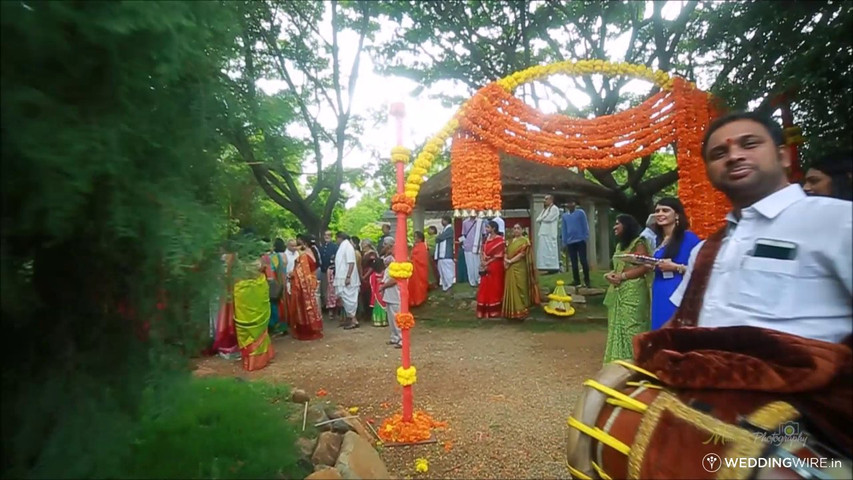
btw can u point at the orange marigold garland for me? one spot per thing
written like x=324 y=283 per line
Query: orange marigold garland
x=395 y=430
x=475 y=174
x=405 y=321
x=400 y=203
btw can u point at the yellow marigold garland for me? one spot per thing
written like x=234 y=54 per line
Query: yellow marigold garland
x=400 y=270
x=400 y=154
x=407 y=376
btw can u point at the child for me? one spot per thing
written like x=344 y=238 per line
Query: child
x=377 y=305
x=391 y=294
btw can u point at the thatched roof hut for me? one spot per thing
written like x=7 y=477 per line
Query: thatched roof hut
x=524 y=185
x=519 y=179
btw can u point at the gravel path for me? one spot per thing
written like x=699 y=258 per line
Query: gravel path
x=504 y=392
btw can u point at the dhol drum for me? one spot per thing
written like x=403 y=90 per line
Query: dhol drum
x=627 y=424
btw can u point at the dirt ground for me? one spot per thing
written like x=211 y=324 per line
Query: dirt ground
x=504 y=391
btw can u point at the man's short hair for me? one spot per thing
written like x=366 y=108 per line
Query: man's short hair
x=342 y=236
x=770 y=125
x=447 y=219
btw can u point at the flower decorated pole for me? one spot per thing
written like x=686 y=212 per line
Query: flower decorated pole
x=408 y=427
x=403 y=207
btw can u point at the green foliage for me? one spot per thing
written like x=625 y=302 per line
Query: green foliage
x=363 y=217
x=216 y=428
x=112 y=218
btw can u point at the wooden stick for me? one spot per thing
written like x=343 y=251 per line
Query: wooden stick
x=304 y=416
x=333 y=420
x=373 y=430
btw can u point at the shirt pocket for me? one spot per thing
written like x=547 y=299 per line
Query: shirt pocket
x=765 y=286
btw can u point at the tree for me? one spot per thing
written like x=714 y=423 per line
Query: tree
x=111 y=220
x=459 y=41
x=758 y=50
x=283 y=41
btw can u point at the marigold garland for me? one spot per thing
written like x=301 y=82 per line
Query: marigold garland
x=400 y=270
x=405 y=321
x=400 y=203
x=400 y=154
x=494 y=121
x=395 y=430
x=407 y=376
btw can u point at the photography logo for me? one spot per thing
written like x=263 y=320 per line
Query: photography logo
x=787 y=432
x=712 y=462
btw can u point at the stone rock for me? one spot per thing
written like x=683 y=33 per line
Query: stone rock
x=316 y=414
x=359 y=460
x=328 y=449
x=299 y=396
x=473 y=305
x=358 y=427
x=591 y=292
x=340 y=426
x=578 y=299
x=333 y=411
x=320 y=466
x=325 y=474
x=571 y=289
x=305 y=446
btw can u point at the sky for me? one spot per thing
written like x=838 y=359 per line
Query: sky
x=425 y=116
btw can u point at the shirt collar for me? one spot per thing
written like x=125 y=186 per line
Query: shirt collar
x=774 y=204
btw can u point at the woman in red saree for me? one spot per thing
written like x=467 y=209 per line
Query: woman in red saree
x=225 y=336
x=419 y=282
x=306 y=321
x=491 y=291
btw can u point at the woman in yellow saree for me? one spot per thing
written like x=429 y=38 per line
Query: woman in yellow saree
x=252 y=316
x=521 y=288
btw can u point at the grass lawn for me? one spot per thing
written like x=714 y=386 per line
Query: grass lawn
x=217 y=428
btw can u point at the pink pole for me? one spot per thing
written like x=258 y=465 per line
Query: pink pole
x=401 y=254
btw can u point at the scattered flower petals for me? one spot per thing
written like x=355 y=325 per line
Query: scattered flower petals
x=322 y=393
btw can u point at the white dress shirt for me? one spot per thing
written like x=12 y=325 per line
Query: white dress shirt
x=809 y=296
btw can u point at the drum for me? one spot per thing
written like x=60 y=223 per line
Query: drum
x=627 y=424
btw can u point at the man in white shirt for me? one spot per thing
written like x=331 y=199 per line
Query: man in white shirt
x=291 y=254
x=347 y=281
x=444 y=254
x=547 y=252
x=784 y=262
x=390 y=292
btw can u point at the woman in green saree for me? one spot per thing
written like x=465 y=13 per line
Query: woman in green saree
x=252 y=315
x=521 y=287
x=628 y=297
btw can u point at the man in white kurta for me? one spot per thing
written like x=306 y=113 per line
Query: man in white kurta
x=547 y=251
x=347 y=280
x=444 y=254
x=291 y=254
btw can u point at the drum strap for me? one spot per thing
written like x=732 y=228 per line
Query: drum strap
x=687 y=314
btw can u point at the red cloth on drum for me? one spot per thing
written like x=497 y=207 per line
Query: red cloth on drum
x=814 y=376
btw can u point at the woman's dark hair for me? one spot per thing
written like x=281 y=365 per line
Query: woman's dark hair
x=310 y=242
x=838 y=167
x=378 y=264
x=278 y=245
x=770 y=125
x=682 y=224
x=419 y=235
x=432 y=228
x=630 y=230
x=356 y=242
x=495 y=227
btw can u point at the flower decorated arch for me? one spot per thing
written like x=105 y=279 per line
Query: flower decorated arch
x=494 y=120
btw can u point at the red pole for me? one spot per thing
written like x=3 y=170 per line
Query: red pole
x=401 y=254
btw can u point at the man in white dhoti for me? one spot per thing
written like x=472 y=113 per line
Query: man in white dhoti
x=547 y=252
x=472 y=239
x=347 y=281
x=444 y=254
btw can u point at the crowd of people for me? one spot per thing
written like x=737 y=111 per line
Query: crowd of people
x=290 y=288
x=782 y=242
